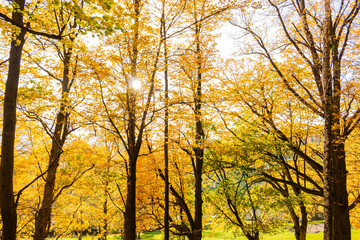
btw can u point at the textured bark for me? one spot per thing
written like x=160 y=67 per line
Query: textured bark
x=7 y=204
x=328 y=168
x=304 y=223
x=337 y=222
x=43 y=218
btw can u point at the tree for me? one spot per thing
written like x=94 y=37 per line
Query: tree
x=194 y=62
x=77 y=166
x=236 y=191
x=279 y=132
x=8 y=207
x=322 y=57
x=194 y=56
x=91 y=203
x=59 y=135
x=53 y=19
x=127 y=112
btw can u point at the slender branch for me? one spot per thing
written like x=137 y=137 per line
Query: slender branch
x=29 y=184
x=122 y=197
x=353 y=204
x=180 y=200
x=268 y=177
x=27 y=29
x=72 y=182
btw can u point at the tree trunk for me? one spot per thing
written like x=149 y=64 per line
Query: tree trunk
x=43 y=218
x=304 y=222
x=341 y=228
x=80 y=236
x=105 y=224
x=42 y=221
x=134 y=143
x=337 y=222
x=130 y=209
x=7 y=201
x=300 y=229
x=166 y=131
x=253 y=237
x=197 y=231
x=199 y=138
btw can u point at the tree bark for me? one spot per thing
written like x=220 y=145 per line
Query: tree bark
x=130 y=208
x=337 y=222
x=7 y=204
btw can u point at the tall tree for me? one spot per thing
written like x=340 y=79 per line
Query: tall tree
x=128 y=111
x=193 y=67
x=336 y=205
x=8 y=207
x=324 y=56
x=166 y=127
x=58 y=136
x=280 y=133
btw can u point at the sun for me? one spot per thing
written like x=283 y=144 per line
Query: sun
x=135 y=84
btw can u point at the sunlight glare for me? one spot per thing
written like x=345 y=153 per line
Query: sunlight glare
x=136 y=84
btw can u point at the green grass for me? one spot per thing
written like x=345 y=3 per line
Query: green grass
x=155 y=235
x=317 y=222
x=224 y=235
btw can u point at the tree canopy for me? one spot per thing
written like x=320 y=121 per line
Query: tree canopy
x=127 y=116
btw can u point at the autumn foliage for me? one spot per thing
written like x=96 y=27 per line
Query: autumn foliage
x=121 y=117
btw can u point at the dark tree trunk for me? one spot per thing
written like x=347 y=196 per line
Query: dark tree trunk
x=199 y=137
x=340 y=227
x=256 y=236
x=133 y=153
x=336 y=213
x=105 y=224
x=7 y=201
x=134 y=143
x=43 y=218
x=300 y=229
x=42 y=221
x=130 y=209
x=166 y=130
x=304 y=222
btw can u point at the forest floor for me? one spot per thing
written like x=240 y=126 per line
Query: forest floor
x=313 y=234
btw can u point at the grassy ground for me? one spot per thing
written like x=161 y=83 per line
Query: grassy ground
x=226 y=235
